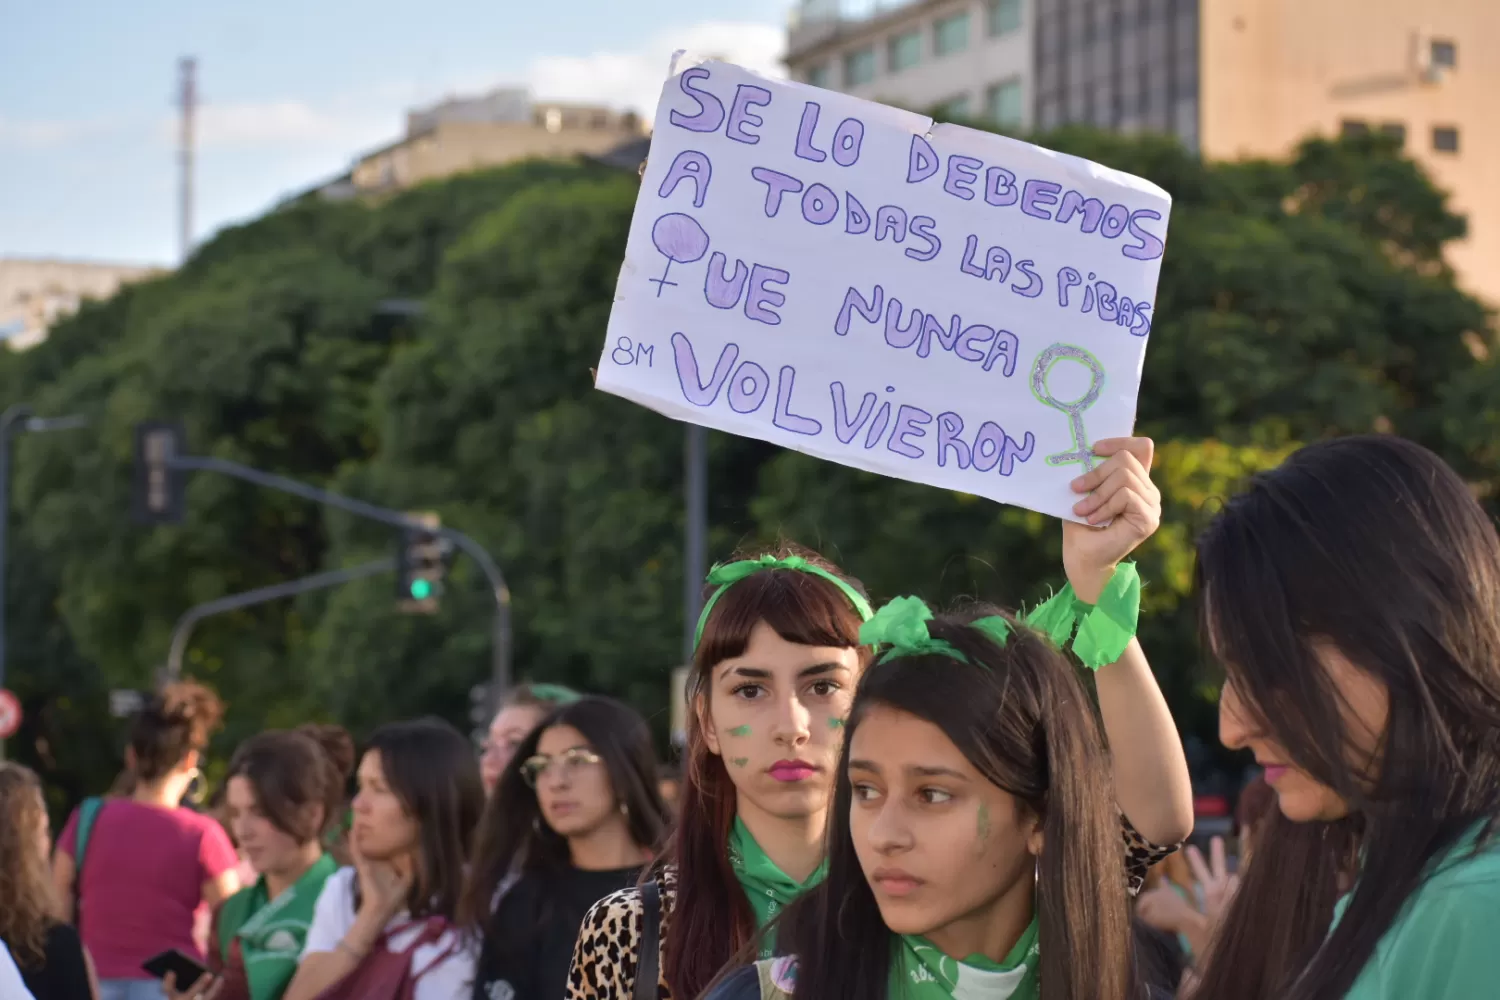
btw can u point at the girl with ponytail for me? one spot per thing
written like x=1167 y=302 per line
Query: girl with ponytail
x=974 y=839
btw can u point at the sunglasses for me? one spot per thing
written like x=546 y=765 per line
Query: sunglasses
x=571 y=761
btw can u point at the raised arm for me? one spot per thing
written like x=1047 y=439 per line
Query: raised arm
x=1152 y=785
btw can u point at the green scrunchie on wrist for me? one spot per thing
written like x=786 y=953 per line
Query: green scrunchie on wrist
x=1099 y=632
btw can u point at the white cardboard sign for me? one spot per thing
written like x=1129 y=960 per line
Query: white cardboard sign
x=851 y=280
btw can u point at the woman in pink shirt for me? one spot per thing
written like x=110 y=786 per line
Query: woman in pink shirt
x=149 y=865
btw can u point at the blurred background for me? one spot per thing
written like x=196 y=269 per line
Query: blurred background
x=372 y=247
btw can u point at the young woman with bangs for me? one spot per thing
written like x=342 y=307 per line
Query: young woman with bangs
x=1353 y=596
x=974 y=837
x=754 y=814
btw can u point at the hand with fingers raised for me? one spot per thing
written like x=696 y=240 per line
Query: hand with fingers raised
x=206 y=987
x=1122 y=508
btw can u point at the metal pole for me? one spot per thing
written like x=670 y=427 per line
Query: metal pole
x=695 y=554
x=261 y=595
x=498 y=588
x=8 y=421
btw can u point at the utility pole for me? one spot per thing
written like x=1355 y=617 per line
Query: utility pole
x=188 y=106
x=695 y=548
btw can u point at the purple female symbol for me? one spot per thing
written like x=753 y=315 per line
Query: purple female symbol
x=680 y=239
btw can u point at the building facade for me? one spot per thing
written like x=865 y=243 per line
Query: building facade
x=35 y=294
x=1230 y=78
x=501 y=127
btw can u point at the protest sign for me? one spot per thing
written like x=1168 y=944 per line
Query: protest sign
x=851 y=280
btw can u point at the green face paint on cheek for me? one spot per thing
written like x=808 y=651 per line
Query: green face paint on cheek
x=740 y=731
x=984 y=823
x=835 y=723
x=740 y=761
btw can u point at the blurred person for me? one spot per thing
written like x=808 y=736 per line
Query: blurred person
x=576 y=819
x=284 y=792
x=386 y=926
x=1352 y=595
x=46 y=951
x=520 y=710
x=149 y=865
x=669 y=784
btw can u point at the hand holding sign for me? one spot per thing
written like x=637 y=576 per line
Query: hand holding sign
x=918 y=300
x=1120 y=492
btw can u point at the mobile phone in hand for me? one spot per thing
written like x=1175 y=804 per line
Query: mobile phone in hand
x=185 y=969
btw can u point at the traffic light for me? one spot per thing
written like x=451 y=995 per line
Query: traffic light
x=158 y=490
x=421 y=562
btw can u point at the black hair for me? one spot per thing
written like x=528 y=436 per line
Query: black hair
x=1374 y=547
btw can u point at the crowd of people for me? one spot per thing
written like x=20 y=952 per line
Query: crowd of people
x=904 y=803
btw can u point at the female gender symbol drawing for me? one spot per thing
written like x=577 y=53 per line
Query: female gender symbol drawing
x=1074 y=410
x=680 y=239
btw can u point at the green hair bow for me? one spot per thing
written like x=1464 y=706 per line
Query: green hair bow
x=902 y=626
x=726 y=575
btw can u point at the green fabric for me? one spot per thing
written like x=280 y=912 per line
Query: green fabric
x=902 y=626
x=725 y=576
x=272 y=932
x=1442 y=945
x=88 y=812
x=766 y=886
x=922 y=972
x=1102 y=630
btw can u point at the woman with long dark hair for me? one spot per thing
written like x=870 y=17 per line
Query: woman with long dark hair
x=141 y=868
x=284 y=795
x=750 y=709
x=47 y=952
x=387 y=926
x=575 y=819
x=1353 y=597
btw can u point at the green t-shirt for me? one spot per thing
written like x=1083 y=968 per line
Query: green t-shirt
x=1443 y=945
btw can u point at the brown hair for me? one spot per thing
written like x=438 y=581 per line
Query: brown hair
x=29 y=907
x=175 y=723
x=292 y=771
x=712 y=919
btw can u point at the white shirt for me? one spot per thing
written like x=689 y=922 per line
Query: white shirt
x=12 y=986
x=451 y=979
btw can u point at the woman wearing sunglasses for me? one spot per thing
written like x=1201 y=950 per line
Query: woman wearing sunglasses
x=576 y=820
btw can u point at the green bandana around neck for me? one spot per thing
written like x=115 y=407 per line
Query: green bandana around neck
x=922 y=972
x=768 y=888
x=272 y=933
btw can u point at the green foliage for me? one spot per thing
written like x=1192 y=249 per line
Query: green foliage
x=1297 y=300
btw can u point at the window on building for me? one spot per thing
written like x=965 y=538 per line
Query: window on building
x=950 y=34
x=1002 y=103
x=905 y=51
x=954 y=107
x=1395 y=130
x=1442 y=53
x=1445 y=138
x=1351 y=127
x=818 y=75
x=1004 y=16
x=859 y=67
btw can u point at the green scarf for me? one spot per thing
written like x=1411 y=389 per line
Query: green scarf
x=272 y=932
x=922 y=972
x=766 y=886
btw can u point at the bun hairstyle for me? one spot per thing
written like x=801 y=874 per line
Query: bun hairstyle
x=299 y=777
x=176 y=722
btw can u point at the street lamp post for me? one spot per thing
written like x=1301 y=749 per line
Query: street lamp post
x=15 y=419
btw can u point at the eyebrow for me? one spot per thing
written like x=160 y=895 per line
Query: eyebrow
x=762 y=674
x=919 y=770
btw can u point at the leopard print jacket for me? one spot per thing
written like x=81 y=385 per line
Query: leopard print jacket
x=606 y=957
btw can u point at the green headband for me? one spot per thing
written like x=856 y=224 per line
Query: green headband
x=1102 y=630
x=729 y=574
x=554 y=694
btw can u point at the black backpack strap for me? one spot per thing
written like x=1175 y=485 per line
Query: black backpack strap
x=648 y=967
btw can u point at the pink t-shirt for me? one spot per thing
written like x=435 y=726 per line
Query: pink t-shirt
x=143 y=874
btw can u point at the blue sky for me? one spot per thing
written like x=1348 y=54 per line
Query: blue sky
x=290 y=92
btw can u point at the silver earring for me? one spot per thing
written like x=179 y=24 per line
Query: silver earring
x=536 y=824
x=625 y=809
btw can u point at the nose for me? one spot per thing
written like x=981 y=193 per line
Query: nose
x=1234 y=728
x=889 y=833
x=359 y=804
x=792 y=726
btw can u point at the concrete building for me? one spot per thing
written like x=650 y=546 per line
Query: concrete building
x=501 y=127
x=35 y=294
x=1230 y=78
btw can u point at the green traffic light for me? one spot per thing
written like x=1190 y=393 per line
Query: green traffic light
x=421 y=590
